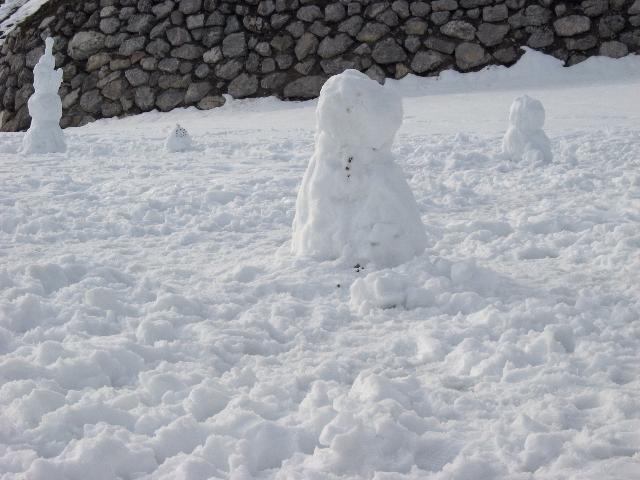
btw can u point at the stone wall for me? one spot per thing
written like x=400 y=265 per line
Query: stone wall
x=122 y=57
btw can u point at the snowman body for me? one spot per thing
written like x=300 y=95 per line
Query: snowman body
x=354 y=202
x=525 y=139
x=45 y=107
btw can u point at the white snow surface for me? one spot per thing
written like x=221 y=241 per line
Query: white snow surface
x=354 y=203
x=525 y=139
x=13 y=12
x=45 y=107
x=154 y=324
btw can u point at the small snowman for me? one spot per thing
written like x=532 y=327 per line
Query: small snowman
x=525 y=139
x=354 y=202
x=45 y=107
x=179 y=140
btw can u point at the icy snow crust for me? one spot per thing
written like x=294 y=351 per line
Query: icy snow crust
x=154 y=324
x=354 y=202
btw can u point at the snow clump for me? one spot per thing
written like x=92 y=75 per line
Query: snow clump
x=354 y=202
x=45 y=107
x=179 y=140
x=525 y=139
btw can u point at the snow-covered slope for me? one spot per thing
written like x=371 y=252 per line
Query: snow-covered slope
x=12 y=12
x=153 y=323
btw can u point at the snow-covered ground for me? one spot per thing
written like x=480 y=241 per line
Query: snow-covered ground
x=13 y=12
x=153 y=323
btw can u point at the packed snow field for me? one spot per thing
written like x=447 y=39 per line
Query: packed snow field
x=155 y=324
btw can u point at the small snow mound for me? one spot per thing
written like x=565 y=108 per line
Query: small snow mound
x=354 y=202
x=179 y=140
x=525 y=139
x=45 y=107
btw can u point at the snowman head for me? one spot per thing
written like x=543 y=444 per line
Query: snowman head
x=527 y=114
x=357 y=111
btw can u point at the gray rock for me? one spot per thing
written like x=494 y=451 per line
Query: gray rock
x=158 y=48
x=376 y=73
x=213 y=56
x=90 y=101
x=140 y=23
x=427 y=60
x=244 y=85
x=541 y=37
x=495 y=13
x=169 y=99
x=188 y=52
x=309 y=13
x=109 y=25
x=507 y=55
x=136 y=77
x=572 y=25
x=420 y=9
x=110 y=109
x=440 y=18
x=97 y=60
x=635 y=8
x=266 y=8
x=440 y=45
x=491 y=34
x=332 y=46
x=415 y=26
x=388 y=51
x=190 y=6
x=334 y=12
x=372 y=32
x=131 y=45
x=263 y=49
x=444 y=5
x=336 y=65
x=594 y=8
x=610 y=25
x=114 y=90
x=178 y=36
x=207 y=103
x=352 y=25
x=582 y=43
x=234 y=45
x=533 y=15
x=85 y=44
x=71 y=98
x=229 y=69
x=459 y=29
x=306 y=45
x=197 y=92
x=304 y=68
x=267 y=65
x=273 y=81
x=282 y=42
x=613 y=49
x=284 y=61
x=149 y=63
x=470 y=55
x=305 y=87
x=169 y=65
x=195 y=21
x=202 y=71
x=401 y=7
x=389 y=18
x=162 y=10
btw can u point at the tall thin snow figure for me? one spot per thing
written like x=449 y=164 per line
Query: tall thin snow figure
x=45 y=107
x=354 y=202
x=525 y=139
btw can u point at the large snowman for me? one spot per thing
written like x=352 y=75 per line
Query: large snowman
x=354 y=203
x=45 y=107
x=525 y=139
